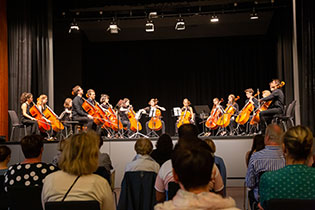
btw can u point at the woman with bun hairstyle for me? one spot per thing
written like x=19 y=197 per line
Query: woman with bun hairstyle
x=296 y=180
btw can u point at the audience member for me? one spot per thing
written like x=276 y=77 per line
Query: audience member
x=269 y=159
x=219 y=162
x=143 y=161
x=164 y=148
x=192 y=169
x=56 y=158
x=296 y=180
x=79 y=159
x=188 y=131
x=258 y=144
x=165 y=174
x=104 y=159
x=30 y=172
x=5 y=156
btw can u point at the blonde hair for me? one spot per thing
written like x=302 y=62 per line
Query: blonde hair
x=298 y=141
x=274 y=132
x=80 y=154
x=67 y=102
x=143 y=146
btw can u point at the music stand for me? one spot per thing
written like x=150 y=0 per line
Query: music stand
x=203 y=112
x=176 y=111
x=138 y=134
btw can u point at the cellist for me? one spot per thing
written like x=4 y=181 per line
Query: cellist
x=91 y=96
x=78 y=113
x=234 y=104
x=186 y=108
x=123 y=108
x=153 y=104
x=27 y=119
x=276 y=106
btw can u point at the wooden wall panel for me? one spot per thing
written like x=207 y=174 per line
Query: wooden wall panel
x=3 y=69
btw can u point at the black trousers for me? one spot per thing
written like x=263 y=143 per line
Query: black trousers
x=84 y=120
x=32 y=123
x=267 y=116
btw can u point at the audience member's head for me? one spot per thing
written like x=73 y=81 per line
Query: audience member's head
x=273 y=134
x=164 y=144
x=298 y=143
x=80 y=154
x=5 y=154
x=143 y=146
x=211 y=145
x=192 y=168
x=32 y=146
x=258 y=143
x=187 y=131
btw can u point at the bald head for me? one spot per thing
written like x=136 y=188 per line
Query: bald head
x=273 y=134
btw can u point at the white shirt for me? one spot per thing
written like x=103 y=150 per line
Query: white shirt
x=87 y=187
x=143 y=163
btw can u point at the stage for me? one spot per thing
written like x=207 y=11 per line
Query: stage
x=121 y=151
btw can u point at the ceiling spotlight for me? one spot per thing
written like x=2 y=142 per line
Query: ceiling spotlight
x=113 y=28
x=149 y=26
x=74 y=26
x=180 y=25
x=153 y=15
x=254 y=15
x=214 y=19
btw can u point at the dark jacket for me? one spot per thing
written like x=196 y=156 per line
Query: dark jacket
x=137 y=191
x=277 y=98
x=77 y=109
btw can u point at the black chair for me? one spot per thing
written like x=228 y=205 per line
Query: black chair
x=21 y=198
x=173 y=187
x=15 y=123
x=286 y=120
x=137 y=191
x=290 y=204
x=72 y=205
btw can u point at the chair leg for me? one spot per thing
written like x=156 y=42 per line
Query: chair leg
x=25 y=130
x=12 y=132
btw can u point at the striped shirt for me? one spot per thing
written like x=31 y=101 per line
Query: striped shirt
x=269 y=159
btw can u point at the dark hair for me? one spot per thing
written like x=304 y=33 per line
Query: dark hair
x=25 y=96
x=164 y=144
x=187 y=131
x=258 y=144
x=249 y=90
x=75 y=90
x=192 y=166
x=4 y=153
x=32 y=145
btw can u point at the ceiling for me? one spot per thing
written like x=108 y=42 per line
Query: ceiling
x=131 y=17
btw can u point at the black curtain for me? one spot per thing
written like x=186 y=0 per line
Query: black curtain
x=171 y=70
x=281 y=29
x=28 y=49
x=306 y=53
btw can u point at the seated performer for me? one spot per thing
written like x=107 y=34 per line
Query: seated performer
x=66 y=115
x=153 y=105
x=26 y=118
x=90 y=94
x=188 y=112
x=231 y=101
x=41 y=102
x=78 y=113
x=124 y=106
x=216 y=112
x=276 y=106
x=250 y=99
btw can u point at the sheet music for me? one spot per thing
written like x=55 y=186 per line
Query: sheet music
x=177 y=111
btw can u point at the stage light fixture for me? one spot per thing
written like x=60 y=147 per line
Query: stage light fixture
x=214 y=19
x=74 y=26
x=113 y=28
x=254 y=15
x=180 y=25
x=149 y=26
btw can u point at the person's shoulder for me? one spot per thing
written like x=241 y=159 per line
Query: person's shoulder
x=167 y=205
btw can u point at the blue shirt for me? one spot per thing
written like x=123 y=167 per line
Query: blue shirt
x=269 y=159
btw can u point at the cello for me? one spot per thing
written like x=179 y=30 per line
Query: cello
x=91 y=110
x=115 y=124
x=184 y=118
x=43 y=125
x=155 y=121
x=216 y=112
x=244 y=114
x=135 y=125
x=53 y=118
x=256 y=118
x=225 y=119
